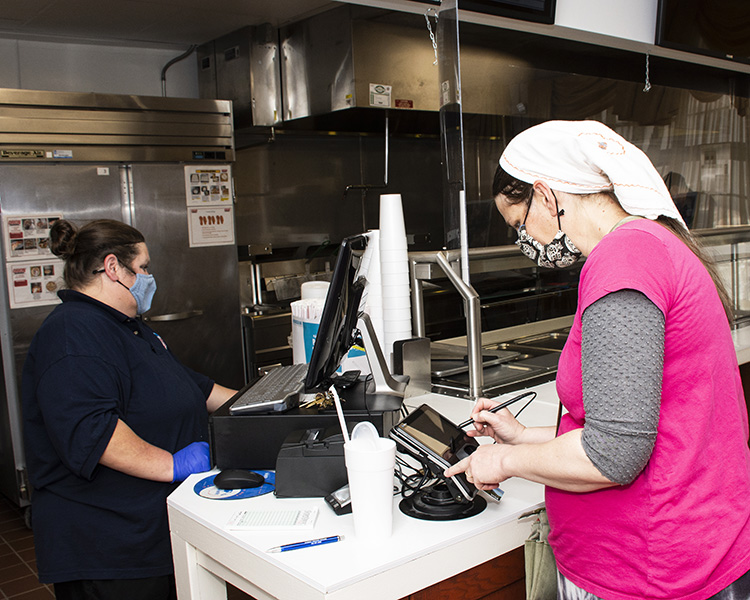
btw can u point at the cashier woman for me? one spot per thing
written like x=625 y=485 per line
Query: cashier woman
x=112 y=422
x=648 y=478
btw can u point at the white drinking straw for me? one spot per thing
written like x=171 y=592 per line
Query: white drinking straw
x=339 y=412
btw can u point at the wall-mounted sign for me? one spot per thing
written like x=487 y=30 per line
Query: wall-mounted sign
x=34 y=283
x=210 y=205
x=208 y=185
x=27 y=236
x=211 y=225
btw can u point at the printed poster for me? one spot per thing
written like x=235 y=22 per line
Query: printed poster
x=210 y=205
x=211 y=225
x=27 y=236
x=208 y=185
x=34 y=283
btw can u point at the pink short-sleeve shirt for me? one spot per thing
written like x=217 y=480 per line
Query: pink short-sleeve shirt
x=681 y=530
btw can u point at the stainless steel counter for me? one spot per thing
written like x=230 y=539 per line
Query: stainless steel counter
x=527 y=355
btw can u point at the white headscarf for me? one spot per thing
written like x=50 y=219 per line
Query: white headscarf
x=583 y=157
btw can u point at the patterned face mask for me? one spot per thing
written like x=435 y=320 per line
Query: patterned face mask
x=560 y=253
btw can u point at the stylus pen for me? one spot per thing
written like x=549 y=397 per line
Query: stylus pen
x=500 y=407
x=307 y=544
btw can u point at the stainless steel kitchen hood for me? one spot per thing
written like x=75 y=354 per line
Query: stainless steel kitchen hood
x=355 y=57
x=44 y=126
x=243 y=66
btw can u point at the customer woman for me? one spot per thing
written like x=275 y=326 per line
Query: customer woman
x=648 y=480
x=112 y=421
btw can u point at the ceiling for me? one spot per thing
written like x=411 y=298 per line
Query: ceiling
x=157 y=23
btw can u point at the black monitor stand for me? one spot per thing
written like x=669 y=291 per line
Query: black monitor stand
x=382 y=380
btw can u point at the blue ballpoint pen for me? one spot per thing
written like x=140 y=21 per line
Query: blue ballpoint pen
x=307 y=544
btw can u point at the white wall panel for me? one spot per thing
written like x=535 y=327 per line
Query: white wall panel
x=95 y=68
x=629 y=19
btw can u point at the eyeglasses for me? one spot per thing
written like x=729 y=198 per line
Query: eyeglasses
x=521 y=229
x=97 y=271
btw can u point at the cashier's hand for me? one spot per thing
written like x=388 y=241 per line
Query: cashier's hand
x=501 y=426
x=191 y=459
x=484 y=467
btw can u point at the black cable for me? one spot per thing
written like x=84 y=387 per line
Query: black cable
x=404 y=411
x=364 y=393
x=410 y=484
x=523 y=408
x=415 y=483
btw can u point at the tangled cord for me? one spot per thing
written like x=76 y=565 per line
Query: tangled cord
x=416 y=481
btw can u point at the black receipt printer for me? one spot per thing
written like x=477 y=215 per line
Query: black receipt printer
x=310 y=463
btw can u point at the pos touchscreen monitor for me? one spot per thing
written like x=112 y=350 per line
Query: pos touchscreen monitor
x=337 y=331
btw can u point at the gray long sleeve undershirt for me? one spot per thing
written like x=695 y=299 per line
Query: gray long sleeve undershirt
x=622 y=357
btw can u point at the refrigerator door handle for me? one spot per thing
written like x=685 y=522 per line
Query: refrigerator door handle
x=178 y=316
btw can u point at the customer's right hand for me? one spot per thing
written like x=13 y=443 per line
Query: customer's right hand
x=501 y=426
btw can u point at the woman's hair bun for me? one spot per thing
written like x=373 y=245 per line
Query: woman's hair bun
x=62 y=237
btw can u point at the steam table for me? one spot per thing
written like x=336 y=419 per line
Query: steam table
x=418 y=555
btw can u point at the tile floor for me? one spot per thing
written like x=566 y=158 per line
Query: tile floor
x=18 y=579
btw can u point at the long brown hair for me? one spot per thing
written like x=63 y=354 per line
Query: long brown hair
x=518 y=192
x=698 y=249
x=84 y=249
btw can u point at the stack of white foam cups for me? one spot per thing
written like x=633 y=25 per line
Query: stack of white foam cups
x=394 y=272
x=373 y=300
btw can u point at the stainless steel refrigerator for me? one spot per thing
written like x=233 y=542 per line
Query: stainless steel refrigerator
x=90 y=156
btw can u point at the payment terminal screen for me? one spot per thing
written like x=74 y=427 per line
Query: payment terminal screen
x=436 y=433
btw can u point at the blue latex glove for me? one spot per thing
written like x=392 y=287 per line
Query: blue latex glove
x=191 y=459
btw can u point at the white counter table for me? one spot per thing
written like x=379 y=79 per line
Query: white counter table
x=418 y=555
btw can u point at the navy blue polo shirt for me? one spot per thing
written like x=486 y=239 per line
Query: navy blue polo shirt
x=88 y=366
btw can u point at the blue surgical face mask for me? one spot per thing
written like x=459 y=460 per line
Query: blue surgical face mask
x=143 y=291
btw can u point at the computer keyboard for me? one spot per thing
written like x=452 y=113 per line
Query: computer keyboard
x=276 y=391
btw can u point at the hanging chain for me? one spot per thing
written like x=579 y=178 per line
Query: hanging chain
x=429 y=28
x=647 y=87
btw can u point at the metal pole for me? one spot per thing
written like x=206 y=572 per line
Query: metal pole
x=473 y=327
x=417 y=302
